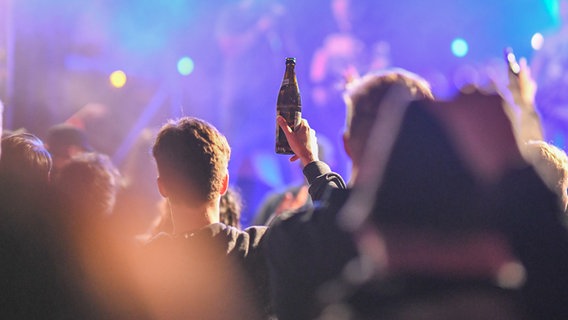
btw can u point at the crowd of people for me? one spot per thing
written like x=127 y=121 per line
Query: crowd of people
x=455 y=209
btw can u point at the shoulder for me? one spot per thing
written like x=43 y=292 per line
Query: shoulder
x=241 y=242
x=252 y=235
x=255 y=233
x=158 y=240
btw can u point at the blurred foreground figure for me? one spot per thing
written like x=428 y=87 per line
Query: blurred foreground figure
x=97 y=253
x=33 y=285
x=436 y=215
x=27 y=269
x=445 y=220
x=203 y=269
x=61 y=260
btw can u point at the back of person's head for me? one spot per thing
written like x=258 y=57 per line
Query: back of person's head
x=367 y=96
x=62 y=136
x=192 y=157
x=7 y=132
x=64 y=141
x=89 y=183
x=551 y=164
x=25 y=161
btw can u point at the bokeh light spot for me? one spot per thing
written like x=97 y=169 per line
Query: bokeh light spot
x=185 y=66
x=118 y=79
x=459 y=47
x=537 y=41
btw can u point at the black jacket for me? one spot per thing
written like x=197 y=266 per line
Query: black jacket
x=222 y=261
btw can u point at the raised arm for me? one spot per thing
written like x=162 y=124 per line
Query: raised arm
x=524 y=116
x=303 y=142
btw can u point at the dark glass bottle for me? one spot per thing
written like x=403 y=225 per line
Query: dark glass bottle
x=289 y=105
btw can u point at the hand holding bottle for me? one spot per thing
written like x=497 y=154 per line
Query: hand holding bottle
x=302 y=140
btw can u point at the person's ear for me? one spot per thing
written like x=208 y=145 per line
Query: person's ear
x=346 y=145
x=161 y=187
x=224 y=185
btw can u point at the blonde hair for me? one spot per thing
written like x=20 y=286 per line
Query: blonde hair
x=551 y=164
x=364 y=96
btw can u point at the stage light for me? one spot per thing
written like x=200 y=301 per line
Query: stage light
x=118 y=79
x=553 y=8
x=459 y=47
x=185 y=66
x=537 y=41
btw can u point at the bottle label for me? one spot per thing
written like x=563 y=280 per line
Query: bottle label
x=285 y=82
x=284 y=109
x=293 y=118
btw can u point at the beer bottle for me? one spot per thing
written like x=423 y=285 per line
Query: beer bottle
x=289 y=105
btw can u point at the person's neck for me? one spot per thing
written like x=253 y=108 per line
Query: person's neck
x=353 y=177
x=191 y=218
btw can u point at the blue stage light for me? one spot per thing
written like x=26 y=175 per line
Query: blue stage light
x=459 y=47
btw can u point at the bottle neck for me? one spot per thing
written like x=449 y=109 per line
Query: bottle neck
x=289 y=74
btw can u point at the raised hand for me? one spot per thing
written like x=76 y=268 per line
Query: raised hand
x=524 y=88
x=302 y=140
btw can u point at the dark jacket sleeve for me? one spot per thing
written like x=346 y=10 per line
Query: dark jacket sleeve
x=321 y=178
x=304 y=252
x=289 y=255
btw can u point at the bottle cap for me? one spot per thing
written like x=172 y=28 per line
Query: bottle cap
x=291 y=60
